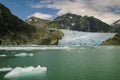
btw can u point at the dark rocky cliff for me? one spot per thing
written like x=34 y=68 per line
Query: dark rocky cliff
x=14 y=31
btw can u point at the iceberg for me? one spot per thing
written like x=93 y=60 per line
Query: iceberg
x=5 y=69
x=24 y=55
x=30 y=54
x=30 y=71
x=3 y=55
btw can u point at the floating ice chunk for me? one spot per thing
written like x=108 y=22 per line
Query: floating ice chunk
x=32 y=48
x=30 y=54
x=3 y=55
x=20 y=72
x=21 y=54
x=24 y=55
x=5 y=69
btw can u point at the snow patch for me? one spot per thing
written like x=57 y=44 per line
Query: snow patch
x=35 y=19
x=20 y=72
x=30 y=20
x=70 y=17
x=72 y=24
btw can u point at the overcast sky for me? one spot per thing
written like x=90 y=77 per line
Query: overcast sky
x=105 y=10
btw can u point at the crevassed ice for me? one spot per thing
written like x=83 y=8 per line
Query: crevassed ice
x=26 y=72
x=83 y=38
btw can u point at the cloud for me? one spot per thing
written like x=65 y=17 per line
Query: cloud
x=106 y=10
x=41 y=15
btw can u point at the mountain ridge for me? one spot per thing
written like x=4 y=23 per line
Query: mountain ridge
x=79 y=23
x=116 y=39
x=116 y=25
x=14 y=31
x=36 y=21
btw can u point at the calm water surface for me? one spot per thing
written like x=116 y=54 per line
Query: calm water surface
x=65 y=63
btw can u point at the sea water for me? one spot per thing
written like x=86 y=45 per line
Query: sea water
x=60 y=63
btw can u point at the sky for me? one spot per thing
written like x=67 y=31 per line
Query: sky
x=106 y=10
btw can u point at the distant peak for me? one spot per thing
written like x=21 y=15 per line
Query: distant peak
x=36 y=18
x=33 y=17
x=70 y=14
x=117 y=22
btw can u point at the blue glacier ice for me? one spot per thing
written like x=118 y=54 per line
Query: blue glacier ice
x=72 y=38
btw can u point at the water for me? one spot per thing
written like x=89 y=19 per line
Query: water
x=83 y=38
x=62 y=62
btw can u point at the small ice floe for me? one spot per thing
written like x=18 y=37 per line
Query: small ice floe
x=30 y=71
x=24 y=55
x=32 y=48
x=5 y=69
x=3 y=55
x=30 y=54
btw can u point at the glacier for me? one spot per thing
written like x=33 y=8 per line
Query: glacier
x=79 y=38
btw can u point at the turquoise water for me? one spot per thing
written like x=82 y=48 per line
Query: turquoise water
x=63 y=63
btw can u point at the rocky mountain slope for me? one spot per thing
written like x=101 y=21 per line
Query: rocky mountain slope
x=116 y=39
x=73 y=22
x=36 y=22
x=14 y=31
x=113 y=41
x=79 y=23
x=116 y=25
